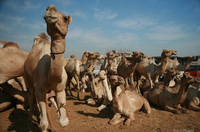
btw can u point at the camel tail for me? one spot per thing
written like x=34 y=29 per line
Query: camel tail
x=146 y=107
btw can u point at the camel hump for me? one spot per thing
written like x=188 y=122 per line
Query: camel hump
x=41 y=36
x=11 y=44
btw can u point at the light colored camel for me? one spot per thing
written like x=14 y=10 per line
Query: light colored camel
x=162 y=97
x=150 y=70
x=125 y=70
x=101 y=90
x=76 y=69
x=108 y=60
x=44 y=69
x=174 y=64
x=12 y=62
x=126 y=103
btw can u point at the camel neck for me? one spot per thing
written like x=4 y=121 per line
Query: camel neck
x=181 y=95
x=114 y=93
x=57 y=59
x=163 y=65
x=83 y=59
x=108 y=91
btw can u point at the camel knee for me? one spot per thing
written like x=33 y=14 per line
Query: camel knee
x=43 y=125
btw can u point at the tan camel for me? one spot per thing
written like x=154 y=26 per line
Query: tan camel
x=44 y=69
x=101 y=90
x=125 y=70
x=12 y=62
x=126 y=103
x=174 y=64
x=76 y=69
x=192 y=100
x=150 y=70
x=162 y=97
x=108 y=60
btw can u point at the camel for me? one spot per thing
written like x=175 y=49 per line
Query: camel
x=101 y=89
x=126 y=103
x=125 y=70
x=150 y=70
x=76 y=69
x=181 y=67
x=12 y=62
x=108 y=60
x=162 y=97
x=44 y=70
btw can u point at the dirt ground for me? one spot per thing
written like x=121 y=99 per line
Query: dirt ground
x=86 y=118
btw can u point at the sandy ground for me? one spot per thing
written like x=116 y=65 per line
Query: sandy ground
x=86 y=118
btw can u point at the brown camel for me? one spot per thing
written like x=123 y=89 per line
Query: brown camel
x=44 y=69
x=162 y=97
x=150 y=70
x=127 y=70
x=126 y=103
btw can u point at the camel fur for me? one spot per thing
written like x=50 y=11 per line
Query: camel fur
x=161 y=96
x=126 y=103
x=44 y=69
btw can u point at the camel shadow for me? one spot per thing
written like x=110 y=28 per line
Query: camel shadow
x=106 y=113
x=20 y=122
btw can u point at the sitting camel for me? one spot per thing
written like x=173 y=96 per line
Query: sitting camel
x=127 y=70
x=101 y=89
x=126 y=103
x=150 y=70
x=162 y=97
x=44 y=69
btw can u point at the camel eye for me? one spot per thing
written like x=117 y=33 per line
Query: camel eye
x=65 y=18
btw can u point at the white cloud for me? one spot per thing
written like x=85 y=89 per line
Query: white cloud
x=4 y=27
x=135 y=23
x=28 y=5
x=104 y=15
x=80 y=13
x=168 y=31
x=65 y=2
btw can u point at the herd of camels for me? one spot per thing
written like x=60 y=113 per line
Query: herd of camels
x=44 y=75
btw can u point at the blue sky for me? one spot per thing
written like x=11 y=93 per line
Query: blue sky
x=148 y=26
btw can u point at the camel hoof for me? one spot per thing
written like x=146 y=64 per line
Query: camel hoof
x=64 y=122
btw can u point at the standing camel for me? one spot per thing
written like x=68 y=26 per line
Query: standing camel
x=44 y=69
x=150 y=70
x=127 y=70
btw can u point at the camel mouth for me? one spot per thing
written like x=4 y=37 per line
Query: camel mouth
x=51 y=19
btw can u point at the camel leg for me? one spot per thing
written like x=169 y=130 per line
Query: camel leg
x=21 y=82
x=146 y=107
x=116 y=119
x=41 y=98
x=138 y=82
x=61 y=100
x=5 y=101
x=149 y=78
x=171 y=109
x=78 y=86
x=68 y=84
x=104 y=104
x=192 y=106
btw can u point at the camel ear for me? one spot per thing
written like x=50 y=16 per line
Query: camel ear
x=69 y=19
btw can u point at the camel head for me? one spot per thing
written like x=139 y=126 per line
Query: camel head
x=56 y=21
x=189 y=79
x=116 y=80
x=86 y=53
x=111 y=56
x=168 y=53
x=102 y=74
x=137 y=55
x=192 y=58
